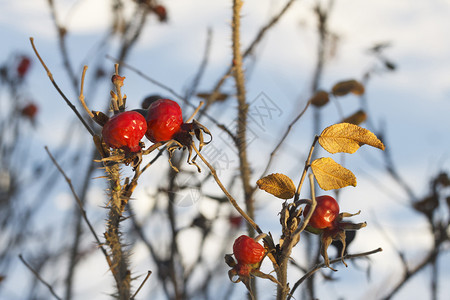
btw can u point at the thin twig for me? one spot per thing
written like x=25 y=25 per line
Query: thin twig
x=323 y=265
x=311 y=210
x=305 y=169
x=258 y=38
x=88 y=111
x=62 y=31
x=195 y=112
x=39 y=277
x=146 y=77
x=68 y=102
x=222 y=187
x=202 y=67
x=272 y=154
x=142 y=284
x=80 y=205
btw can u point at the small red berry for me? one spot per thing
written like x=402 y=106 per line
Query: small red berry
x=164 y=118
x=29 y=111
x=326 y=212
x=23 y=66
x=124 y=131
x=161 y=12
x=247 y=251
x=235 y=221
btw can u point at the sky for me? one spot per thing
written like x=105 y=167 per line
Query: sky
x=412 y=104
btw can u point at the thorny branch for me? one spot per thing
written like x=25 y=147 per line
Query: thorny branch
x=241 y=134
x=80 y=205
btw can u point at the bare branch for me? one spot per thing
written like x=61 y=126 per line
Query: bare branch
x=323 y=265
x=142 y=284
x=69 y=103
x=39 y=277
x=80 y=205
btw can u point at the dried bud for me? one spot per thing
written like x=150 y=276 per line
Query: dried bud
x=117 y=80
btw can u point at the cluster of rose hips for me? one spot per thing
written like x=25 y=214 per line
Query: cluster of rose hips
x=160 y=120
x=327 y=221
x=16 y=74
x=158 y=123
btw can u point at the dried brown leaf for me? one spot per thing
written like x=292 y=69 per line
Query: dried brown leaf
x=356 y=118
x=349 y=86
x=346 y=137
x=330 y=175
x=277 y=184
x=320 y=99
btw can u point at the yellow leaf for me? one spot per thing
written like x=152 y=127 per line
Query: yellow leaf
x=349 y=86
x=277 y=184
x=330 y=175
x=346 y=137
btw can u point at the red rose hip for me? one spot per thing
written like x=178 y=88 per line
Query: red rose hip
x=164 y=118
x=30 y=110
x=247 y=251
x=124 y=131
x=23 y=66
x=326 y=212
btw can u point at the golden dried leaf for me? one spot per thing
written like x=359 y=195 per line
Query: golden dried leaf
x=346 y=137
x=320 y=99
x=356 y=118
x=349 y=86
x=277 y=184
x=330 y=175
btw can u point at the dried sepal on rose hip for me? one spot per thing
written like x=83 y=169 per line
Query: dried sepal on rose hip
x=328 y=222
x=125 y=131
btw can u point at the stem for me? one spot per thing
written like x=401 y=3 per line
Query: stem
x=305 y=169
x=289 y=243
x=323 y=265
x=222 y=187
x=242 y=112
x=50 y=76
x=39 y=277
x=88 y=111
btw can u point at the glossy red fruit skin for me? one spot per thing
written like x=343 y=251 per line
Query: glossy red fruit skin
x=124 y=131
x=247 y=251
x=164 y=118
x=326 y=212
